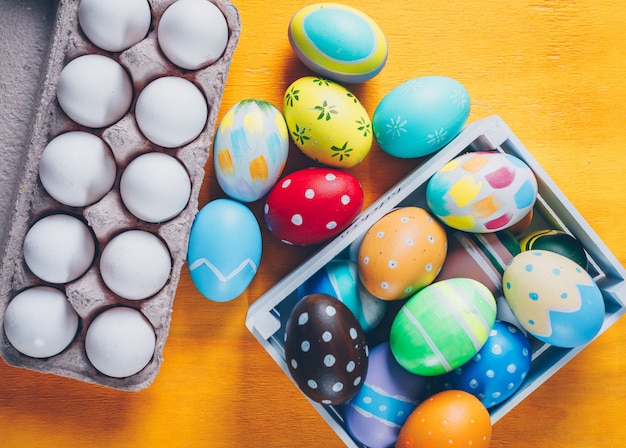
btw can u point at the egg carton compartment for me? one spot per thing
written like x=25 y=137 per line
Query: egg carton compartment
x=88 y=294
x=267 y=316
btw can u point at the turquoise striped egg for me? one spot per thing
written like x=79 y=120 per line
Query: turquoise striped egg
x=553 y=298
x=250 y=149
x=442 y=326
x=420 y=116
x=338 y=42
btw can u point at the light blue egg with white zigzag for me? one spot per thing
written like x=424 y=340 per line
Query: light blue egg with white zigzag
x=224 y=250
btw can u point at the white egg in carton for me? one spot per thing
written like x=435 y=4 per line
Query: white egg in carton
x=92 y=257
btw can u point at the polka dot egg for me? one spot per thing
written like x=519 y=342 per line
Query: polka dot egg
x=482 y=192
x=497 y=370
x=553 y=298
x=312 y=205
x=451 y=418
x=401 y=253
x=325 y=349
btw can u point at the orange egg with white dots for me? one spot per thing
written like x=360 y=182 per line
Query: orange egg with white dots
x=452 y=418
x=402 y=253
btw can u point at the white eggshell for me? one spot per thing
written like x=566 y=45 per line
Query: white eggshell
x=40 y=322
x=155 y=187
x=120 y=342
x=59 y=248
x=192 y=33
x=114 y=25
x=135 y=264
x=94 y=90
x=171 y=111
x=71 y=186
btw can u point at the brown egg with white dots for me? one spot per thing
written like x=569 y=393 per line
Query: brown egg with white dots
x=325 y=349
x=402 y=253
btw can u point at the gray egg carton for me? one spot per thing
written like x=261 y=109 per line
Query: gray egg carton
x=267 y=316
x=88 y=294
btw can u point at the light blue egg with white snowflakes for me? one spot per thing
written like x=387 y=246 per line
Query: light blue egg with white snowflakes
x=420 y=116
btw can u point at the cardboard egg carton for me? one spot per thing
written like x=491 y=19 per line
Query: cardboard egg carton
x=267 y=316
x=88 y=294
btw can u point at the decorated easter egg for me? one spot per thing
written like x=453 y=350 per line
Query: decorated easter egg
x=327 y=122
x=442 y=326
x=401 y=253
x=498 y=370
x=420 y=116
x=481 y=256
x=482 y=192
x=325 y=349
x=553 y=298
x=338 y=42
x=389 y=394
x=452 y=418
x=224 y=249
x=312 y=205
x=250 y=149
x=340 y=279
x=556 y=241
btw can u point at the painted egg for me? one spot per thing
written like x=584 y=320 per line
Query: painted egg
x=327 y=122
x=224 y=249
x=312 y=205
x=553 y=298
x=481 y=256
x=420 y=116
x=401 y=253
x=389 y=394
x=482 y=192
x=325 y=349
x=442 y=326
x=338 y=42
x=498 y=369
x=556 y=241
x=450 y=418
x=340 y=279
x=250 y=149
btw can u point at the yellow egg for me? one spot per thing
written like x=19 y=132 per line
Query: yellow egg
x=402 y=253
x=327 y=122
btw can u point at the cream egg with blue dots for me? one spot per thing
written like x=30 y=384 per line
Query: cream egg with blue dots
x=497 y=371
x=553 y=298
x=325 y=349
x=401 y=253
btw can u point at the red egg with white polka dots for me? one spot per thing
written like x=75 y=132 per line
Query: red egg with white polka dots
x=312 y=205
x=325 y=349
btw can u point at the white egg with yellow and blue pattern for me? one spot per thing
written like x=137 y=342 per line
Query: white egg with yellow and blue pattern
x=497 y=371
x=250 y=149
x=553 y=298
x=482 y=192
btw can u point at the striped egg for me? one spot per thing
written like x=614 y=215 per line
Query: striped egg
x=250 y=149
x=338 y=42
x=556 y=241
x=442 y=326
x=482 y=192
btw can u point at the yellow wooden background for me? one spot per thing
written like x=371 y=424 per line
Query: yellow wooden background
x=553 y=70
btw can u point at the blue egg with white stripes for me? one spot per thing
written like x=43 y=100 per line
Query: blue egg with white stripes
x=340 y=279
x=498 y=370
x=389 y=394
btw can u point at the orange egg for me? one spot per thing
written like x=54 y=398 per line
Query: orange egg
x=452 y=418
x=402 y=253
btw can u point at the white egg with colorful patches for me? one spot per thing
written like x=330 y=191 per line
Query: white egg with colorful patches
x=250 y=149
x=224 y=249
x=482 y=192
x=553 y=298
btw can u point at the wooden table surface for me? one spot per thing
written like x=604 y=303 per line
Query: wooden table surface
x=552 y=69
